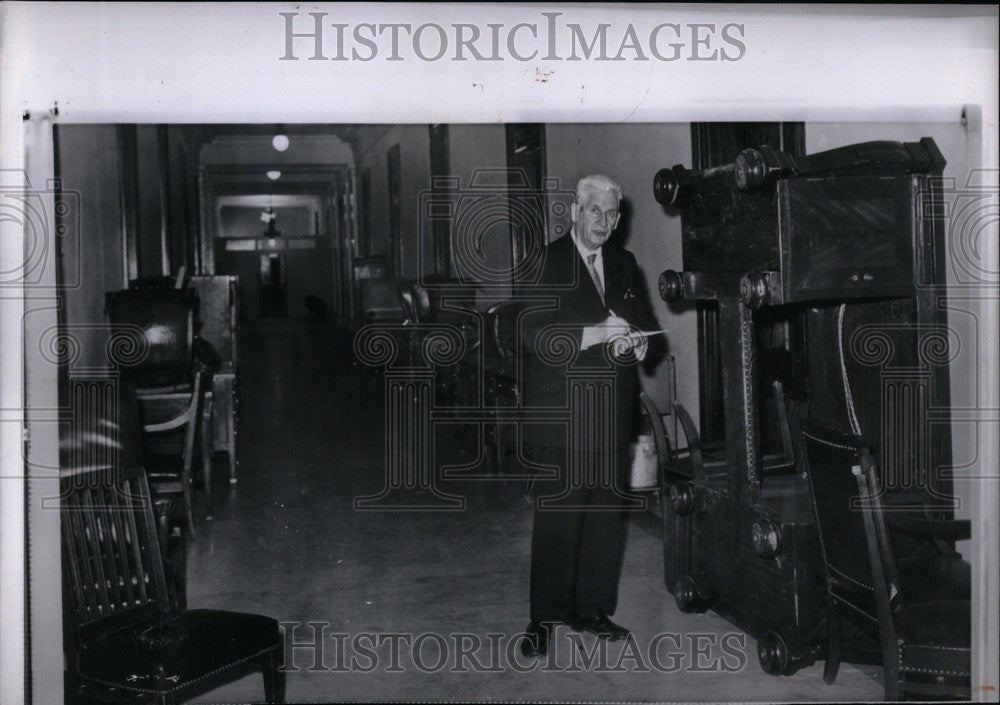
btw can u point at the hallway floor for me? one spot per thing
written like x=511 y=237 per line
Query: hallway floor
x=286 y=541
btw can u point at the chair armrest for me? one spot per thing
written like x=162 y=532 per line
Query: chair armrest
x=949 y=529
x=168 y=425
x=471 y=348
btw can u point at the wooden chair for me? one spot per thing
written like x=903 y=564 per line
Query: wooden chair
x=702 y=464
x=410 y=341
x=503 y=389
x=158 y=325
x=404 y=291
x=379 y=303
x=918 y=607
x=123 y=641
x=169 y=462
x=421 y=302
x=677 y=534
x=218 y=315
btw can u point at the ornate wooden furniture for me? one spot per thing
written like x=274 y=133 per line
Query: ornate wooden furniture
x=919 y=607
x=123 y=641
x=817 y=266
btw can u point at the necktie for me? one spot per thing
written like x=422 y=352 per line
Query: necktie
x=593 y=275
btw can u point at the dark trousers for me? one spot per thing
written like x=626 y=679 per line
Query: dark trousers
x=577 y=545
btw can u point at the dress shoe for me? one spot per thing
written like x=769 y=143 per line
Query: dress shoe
x=535 y=643
x=600 y=625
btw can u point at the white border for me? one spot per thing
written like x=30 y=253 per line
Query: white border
x=218 y=63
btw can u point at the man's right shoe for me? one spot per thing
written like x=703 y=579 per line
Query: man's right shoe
x=599 y=624
x=535 y=643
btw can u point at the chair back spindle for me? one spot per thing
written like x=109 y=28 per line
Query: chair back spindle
x=111 y=558
x=110 y=547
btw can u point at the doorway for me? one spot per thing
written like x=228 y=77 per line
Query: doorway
x=284 y=238
x=272 y=285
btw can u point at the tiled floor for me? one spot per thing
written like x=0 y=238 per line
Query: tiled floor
x=286 y=541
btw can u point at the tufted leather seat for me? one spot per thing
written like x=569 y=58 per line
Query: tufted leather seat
x=931 y=578
x=175 y=650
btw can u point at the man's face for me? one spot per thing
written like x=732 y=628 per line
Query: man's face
x=595 y=217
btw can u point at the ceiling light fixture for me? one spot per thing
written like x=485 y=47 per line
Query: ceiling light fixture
x=280 y=142
x=274 y=175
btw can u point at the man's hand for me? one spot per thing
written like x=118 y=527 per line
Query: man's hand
x=632 y=346
x=610 y=328
x=640 y=345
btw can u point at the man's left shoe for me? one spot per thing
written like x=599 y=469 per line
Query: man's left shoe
x=535 y=642
x=600 y=625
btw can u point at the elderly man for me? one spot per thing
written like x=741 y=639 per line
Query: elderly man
x=600 y=309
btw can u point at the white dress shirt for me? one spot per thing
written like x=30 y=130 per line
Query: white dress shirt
x=598 y=261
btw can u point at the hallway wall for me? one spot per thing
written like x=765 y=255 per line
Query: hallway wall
x=632 y=154
x=483 y=148
x=89 y=165
x=370 y=152
x=154 y=256
x=118 y=225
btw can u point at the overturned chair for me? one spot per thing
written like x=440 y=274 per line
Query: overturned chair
x=123 y=641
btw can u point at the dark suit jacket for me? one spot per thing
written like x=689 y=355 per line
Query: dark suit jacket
x=564 y=278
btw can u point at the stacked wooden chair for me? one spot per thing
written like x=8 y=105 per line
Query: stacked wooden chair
x=154 y=330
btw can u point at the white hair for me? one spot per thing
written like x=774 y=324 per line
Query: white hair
x=597 y=182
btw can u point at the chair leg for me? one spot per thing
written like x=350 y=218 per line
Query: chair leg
x=177 y=572
x=189 y=511
x=206 y=459
x=890 y=672
x=163 y=526
x=833 y=649
x=229 y=415
x=274 y=680
x=231 y=449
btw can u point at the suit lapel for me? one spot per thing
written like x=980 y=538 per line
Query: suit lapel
x=575 y=270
